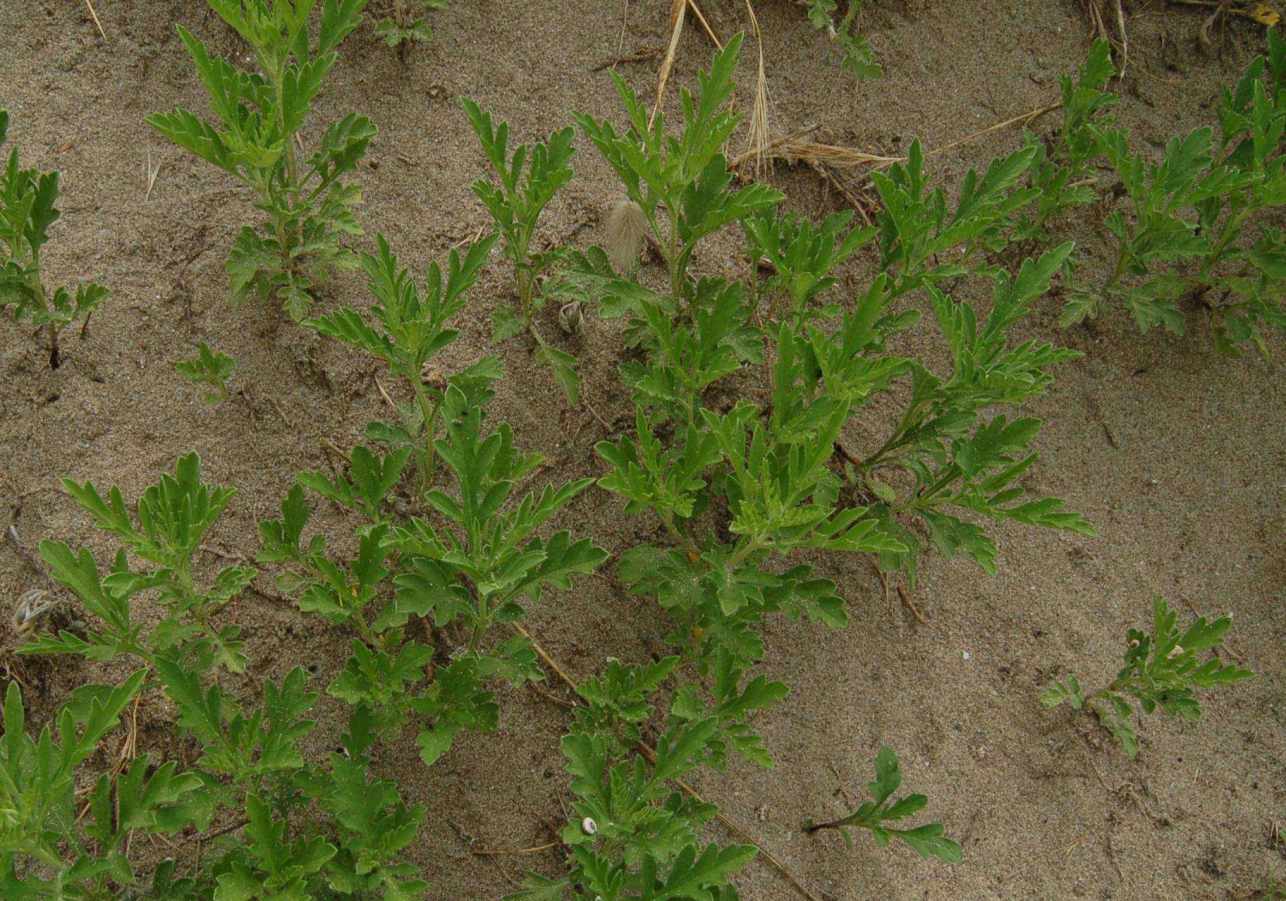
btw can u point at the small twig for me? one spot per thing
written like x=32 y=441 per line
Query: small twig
x=223 y=830
x=696 y=10
x=636 y=56
x=907 y=601
x=152 y=172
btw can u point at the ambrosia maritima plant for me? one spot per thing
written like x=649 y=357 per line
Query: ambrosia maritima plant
x=449 y=533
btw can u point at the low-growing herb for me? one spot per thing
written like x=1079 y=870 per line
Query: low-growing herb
x=1162 y=670
x=259 y=140
x=211 y=369
x=27 y=198
x=410 y=327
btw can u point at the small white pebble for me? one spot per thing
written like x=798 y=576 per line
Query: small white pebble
x=966 y=655
x=588 y=826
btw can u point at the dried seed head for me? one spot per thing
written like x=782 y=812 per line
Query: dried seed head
x=626 y=226
x=588 y=826
x=31 y=606
x=433 y=377
x=571 y=318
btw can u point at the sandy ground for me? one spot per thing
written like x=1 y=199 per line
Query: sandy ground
x=1176 y=454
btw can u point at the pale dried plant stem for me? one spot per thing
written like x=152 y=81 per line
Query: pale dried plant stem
x=678 y=13
x=89 y=4
x=758 y=135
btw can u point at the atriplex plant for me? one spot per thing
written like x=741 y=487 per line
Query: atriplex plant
x=209 y=368
x=403 y=23
x=927 y=840
x=27 y=199
x=1196 y=223
x=469 y=567
x=527 y=182
x=308 y=829
x=259 y=140
x=1161 y=670
x=412 y=329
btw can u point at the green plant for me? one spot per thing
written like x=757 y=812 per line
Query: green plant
x=1187 y=231
x=528 y=179
x=261 y=117
x=410 y=328
x=403 y=24
x=857 y=57
x=251 y=761
x=46 y=848
x=634 y=835
x=209 y=368
x=682 y=184
x=927 y=840
x=27 y=210
x=1062 y=172
x=166 y=530
x=1161 y=670
x=470 y=570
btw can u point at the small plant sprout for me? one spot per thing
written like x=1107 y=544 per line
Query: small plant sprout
x=928 y=840
x=27 y=210
x=403 y=23
x=526 y=181
x=1162 y=670
x=259 y=140
x=857 y=57
x=211 y=369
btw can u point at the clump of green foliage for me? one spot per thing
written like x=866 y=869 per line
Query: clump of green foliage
x=308 y=829
x=404 y=24
x=467 y=565
x=27 y=210
x=209 y=368
x=928 y=840
x=856 y=55
x=1162 y=670
x=634 y=834
x=258 y=139
x=407 y=328
x=528 y=180
x=1195 y=225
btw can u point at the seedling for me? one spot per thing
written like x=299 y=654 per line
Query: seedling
x=410 y=328
x=259 y=141
x=403 y=23
x=27 y=210
x=527 y=180
x=211 y=369
x=928 y=840
x=857 y=57
x=1161 y=670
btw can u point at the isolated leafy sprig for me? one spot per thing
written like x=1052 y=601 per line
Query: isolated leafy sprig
x=1162 y=670
x=876 y=814
x=27 y=211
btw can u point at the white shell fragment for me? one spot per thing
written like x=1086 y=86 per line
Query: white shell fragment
x=588 y=826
